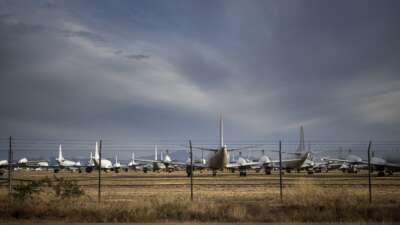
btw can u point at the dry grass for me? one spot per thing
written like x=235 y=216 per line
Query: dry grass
x=305 y=201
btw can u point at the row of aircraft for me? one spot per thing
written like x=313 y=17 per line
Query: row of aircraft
x=220 y=159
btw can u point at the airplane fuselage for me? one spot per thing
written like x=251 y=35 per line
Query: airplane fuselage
x=219 y=159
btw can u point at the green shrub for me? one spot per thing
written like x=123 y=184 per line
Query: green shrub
x=67 y=188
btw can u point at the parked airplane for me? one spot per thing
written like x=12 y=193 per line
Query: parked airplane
x=104 y=163
x=389 y=162
x=219 y=157
x=165 y=163
x=350 y=163
x=118 y=166
x=32 y=164
x=132 y=164
x=66 y=164
x=3 y=163
x=300 y=156
x=264 y=162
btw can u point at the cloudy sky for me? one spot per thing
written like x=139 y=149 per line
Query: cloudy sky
x=165 y=69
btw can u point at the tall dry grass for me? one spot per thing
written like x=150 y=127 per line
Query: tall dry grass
x=306 y=202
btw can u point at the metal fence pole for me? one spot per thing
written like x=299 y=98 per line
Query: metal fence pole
x=99 y=184
x=369 y=172
x=191 y=170
x=280 y=170
x=10 y=168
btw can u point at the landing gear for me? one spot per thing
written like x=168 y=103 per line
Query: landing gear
x=79 y=170
x=214 y=173
x=267 y=170
x=242 y=172
x=89 y=169
x=56 y=170
x=145 y=170
x=381 y=174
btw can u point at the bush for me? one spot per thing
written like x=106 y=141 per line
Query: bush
x=67 y=188
x=23 y=191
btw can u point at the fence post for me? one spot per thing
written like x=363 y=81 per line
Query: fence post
x=99 y=184
x=191 y=170
x=369 y=173
x=280 y=170
x=10 y=168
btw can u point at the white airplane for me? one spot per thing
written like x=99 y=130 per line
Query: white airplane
x=133 y=164
x=164 y=163
x=350 y=163
x=104 y=163
x=118 y=166
x=388 y=162
x=300 y=156
x=242 y=164
x=264 y=162
x=32 y=164
x=66 y=164
x=3 y=163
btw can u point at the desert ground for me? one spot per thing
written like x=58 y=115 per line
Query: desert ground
x=165 y=197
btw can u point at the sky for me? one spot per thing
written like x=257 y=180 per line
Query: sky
x=165 y=70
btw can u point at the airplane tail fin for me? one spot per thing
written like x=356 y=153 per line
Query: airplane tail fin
x=161 y=156
x=155 y=152
x=301 y=147
x=221 y=131
x=96 y=153
x=60 y=155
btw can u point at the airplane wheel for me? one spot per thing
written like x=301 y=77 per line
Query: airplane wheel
x=214 y=173
x=79 y=171
x=56 y=170
x=381 y=174
x=88 y=169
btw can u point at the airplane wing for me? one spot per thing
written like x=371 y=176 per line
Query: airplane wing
x=237 y=165
x=205 y=149
x=148 y=160
x=241 y=148
x=177 y=163
x=336 y=160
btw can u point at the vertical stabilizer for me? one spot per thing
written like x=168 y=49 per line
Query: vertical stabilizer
x=133 y=156
x=60 y=155
x=221 y=131
x=155 y=152
x=96 y=153
x=161 y=156
x=301 y=147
